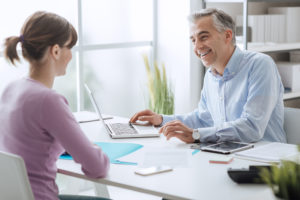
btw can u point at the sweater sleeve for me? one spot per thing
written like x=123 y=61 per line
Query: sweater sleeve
x=58 y=121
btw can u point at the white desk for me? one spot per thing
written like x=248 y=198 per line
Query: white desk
x=200 y=180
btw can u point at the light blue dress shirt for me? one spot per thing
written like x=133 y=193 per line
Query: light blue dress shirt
x=245 y=104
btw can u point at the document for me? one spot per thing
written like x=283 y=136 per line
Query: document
x=86 y=116
x=166 y=157
x=273 y=152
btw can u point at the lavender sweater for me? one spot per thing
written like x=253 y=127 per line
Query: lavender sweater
x=37 y=124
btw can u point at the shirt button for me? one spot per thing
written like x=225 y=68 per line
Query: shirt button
x=222 y=118
x=221 y=98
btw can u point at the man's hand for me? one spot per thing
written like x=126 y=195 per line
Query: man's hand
x=177 y=129
x=147 y=115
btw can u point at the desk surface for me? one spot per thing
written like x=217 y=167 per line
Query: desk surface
x=199 y=180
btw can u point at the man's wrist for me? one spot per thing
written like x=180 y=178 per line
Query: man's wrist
x=196 y=141
x=196 y=136
x=162 y=120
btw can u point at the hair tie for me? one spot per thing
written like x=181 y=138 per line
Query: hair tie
x=21 y=38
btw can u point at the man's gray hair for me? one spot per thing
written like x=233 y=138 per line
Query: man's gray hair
x=222 y=21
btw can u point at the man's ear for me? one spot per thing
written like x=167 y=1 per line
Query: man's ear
x=55 y=51
x=228 y=35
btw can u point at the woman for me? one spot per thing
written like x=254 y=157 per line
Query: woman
x=36 y=122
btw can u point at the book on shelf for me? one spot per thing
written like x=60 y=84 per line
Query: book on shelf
x=292 y=27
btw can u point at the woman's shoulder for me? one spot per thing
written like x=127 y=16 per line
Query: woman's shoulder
x=34 y=91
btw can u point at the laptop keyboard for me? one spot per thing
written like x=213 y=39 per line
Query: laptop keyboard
x=123 y=128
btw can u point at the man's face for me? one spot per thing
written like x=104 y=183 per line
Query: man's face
x=208 y=42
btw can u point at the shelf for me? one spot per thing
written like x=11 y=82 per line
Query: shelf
x=223 y=1
x=291 y=95
x=242 y=1
x=271 y=47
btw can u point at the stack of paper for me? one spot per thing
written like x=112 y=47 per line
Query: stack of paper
x=272 y=152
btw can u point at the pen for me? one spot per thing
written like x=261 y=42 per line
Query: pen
x=123 y=162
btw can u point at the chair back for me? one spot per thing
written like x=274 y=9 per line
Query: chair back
x=292 y=125
x=14 y=182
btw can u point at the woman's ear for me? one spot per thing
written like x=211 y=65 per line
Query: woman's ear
x=55 y=51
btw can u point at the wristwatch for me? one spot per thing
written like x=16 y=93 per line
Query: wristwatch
x=196 y=135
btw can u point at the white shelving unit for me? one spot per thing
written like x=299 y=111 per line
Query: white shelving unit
x=291 y=95
x=271 y=47
x=262 y=47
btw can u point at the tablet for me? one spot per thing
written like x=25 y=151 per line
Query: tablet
x=227 y=147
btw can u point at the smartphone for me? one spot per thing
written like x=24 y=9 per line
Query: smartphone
x=152 y=170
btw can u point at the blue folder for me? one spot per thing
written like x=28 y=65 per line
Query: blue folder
x=114 y=151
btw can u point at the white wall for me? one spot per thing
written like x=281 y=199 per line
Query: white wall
x=174 y=49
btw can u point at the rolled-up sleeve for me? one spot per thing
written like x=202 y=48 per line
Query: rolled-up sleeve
x=200 y=117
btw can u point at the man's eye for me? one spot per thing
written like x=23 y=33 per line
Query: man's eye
x=203 y=38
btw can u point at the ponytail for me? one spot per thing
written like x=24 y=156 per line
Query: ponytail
x=11 y=49
x=40 y=31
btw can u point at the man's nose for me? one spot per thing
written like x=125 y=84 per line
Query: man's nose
x=198 y=46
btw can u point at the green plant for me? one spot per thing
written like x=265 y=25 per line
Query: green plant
x=284 y=180
x=161 y=96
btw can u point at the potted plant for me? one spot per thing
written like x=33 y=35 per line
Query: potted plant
x=284 y=180
x=161 y=96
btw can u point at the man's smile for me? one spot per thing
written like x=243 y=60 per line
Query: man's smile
x=204 y=53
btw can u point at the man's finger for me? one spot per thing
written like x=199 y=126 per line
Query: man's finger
x=145 y=118
x=182 y=137
x=175 y=124
x=173 y=129
x=137 y=115
x=171 y=134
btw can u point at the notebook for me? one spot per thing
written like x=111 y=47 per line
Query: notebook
x=273 y=152
x=122 y=130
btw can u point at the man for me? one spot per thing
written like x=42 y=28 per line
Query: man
x=241 y=99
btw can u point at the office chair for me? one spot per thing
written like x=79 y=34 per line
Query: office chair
x=14 y=182
x=292 y=125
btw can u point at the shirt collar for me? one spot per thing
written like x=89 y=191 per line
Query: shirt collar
x=233 y=65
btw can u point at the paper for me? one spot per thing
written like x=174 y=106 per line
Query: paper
x=167 y=157
x=86 y=116
x=221 y=159
x=115 y=151
x=273 y=152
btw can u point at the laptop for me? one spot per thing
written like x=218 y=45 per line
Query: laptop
x=122 y=130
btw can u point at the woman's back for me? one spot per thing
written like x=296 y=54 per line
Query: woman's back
x=36 y=123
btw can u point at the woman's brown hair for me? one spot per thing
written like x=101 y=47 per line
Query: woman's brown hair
x=40 y=31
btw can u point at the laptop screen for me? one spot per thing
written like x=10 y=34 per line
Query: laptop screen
x=95 y=105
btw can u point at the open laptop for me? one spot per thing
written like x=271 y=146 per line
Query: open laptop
x=123 y=130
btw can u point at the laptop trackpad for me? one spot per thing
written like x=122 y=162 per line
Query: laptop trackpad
x=142 y=129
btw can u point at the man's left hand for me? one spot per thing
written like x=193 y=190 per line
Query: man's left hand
x=177 y=129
